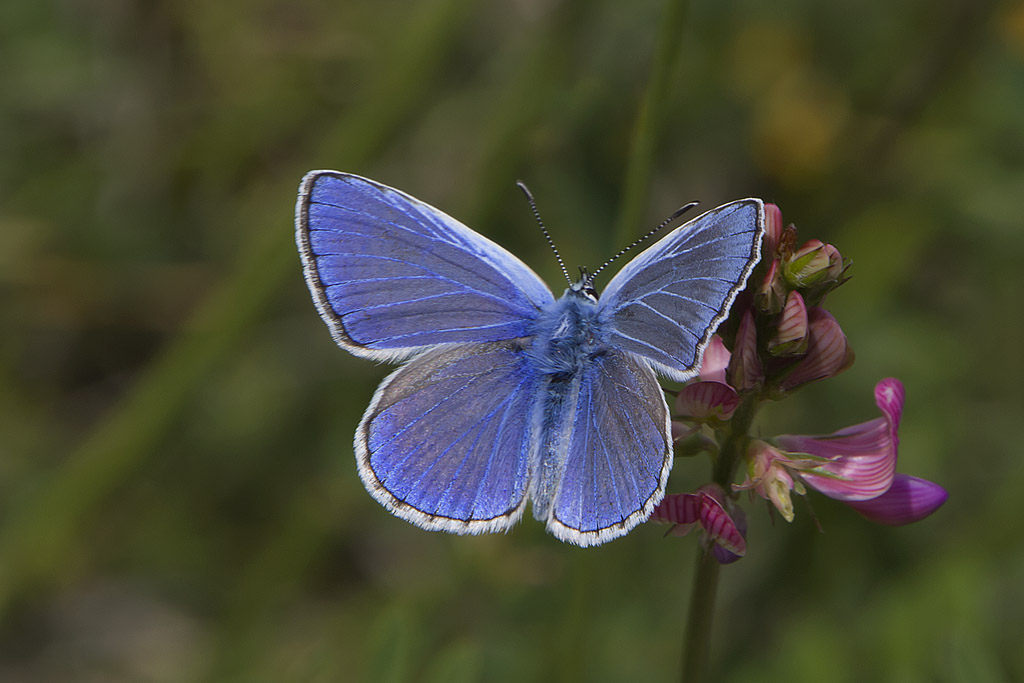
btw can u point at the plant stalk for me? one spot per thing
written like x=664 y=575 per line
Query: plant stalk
x=697 y=641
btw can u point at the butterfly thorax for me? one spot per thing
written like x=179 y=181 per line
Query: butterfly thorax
x=567 y=334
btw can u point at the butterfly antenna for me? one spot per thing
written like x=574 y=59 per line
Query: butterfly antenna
x=547 y=235
x=675 y=214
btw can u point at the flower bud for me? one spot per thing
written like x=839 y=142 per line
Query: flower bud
x=791 y=335
x=691 y=440
x=768 y=477
x=745 y=371
x=682 y=430
x=739 y=519
x=718 y=525
x=835 y=263
x=707 y=507
x=809 y=265
x=772 y=231
x=680 y=509
x=828 y=352
x=707 y=401
x=815 y=294
x=771 y=295
x=716 y=358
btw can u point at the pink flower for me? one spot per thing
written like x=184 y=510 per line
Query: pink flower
x=716 y=360
x=827 y=352
x=909 y=499
x=812 y=263
x=707 y=508
x=862 y=458
x=704 y=401
x=710 y=398
x=770 y=297
x=857 y=465
x=745 y=371
x=791 y=335
x=773 y=474
x=772 y=231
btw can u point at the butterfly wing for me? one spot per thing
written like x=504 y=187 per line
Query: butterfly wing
x=391 y=275
x=619 y=452
x=666 y=303
x=448 y=439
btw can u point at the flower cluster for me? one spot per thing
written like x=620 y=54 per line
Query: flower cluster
x=781 y=338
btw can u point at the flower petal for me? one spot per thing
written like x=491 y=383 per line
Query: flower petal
x=745 y=371
x=721 y=555
x=719 y=526
x=808 y=265
x=706 y=400
x=772 y=231
x=827 y=351
x=862 y=458
x=835 y=262
x=678 y=508
x=681 y=430
x=716 y=360
x=770 y=297
x=889 y=397
x=909 y=499
x=791 y=335
x=703 y=507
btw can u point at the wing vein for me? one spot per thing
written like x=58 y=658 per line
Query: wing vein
x=492 y=455
x=478 y=425
x=680 y=296
x=608 y=462
x=472 y=378
x=461 y=246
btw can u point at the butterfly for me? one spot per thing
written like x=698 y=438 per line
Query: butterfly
x=508 y=395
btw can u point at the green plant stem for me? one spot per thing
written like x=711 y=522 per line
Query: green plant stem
x=735 y=444
x=697 y=641
x=698 y=623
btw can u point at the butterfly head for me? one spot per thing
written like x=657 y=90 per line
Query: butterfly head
x=585 y=285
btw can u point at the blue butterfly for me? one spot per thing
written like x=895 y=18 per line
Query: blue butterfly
x=507 y=394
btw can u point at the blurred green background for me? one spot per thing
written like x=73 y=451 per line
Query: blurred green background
x=178 y=497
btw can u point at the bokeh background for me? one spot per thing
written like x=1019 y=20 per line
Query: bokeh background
x=178 y=498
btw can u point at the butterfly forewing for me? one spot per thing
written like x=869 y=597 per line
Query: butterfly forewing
x=391 y=274
x=666 y=303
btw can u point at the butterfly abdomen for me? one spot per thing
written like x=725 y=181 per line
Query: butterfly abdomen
x=568 y=334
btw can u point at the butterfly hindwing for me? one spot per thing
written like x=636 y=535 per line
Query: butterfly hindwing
x=448 y=439
x=391 y=275
x=666 y=303
x=619 y=452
